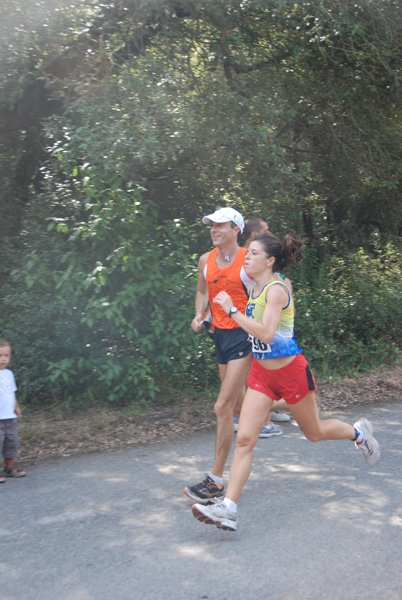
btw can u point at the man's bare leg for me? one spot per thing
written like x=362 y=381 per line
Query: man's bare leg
x=233 y=377
x=239 y=402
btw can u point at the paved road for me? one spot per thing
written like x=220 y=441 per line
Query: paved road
x=315 y=523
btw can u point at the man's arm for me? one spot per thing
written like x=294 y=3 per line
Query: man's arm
x=201 y=296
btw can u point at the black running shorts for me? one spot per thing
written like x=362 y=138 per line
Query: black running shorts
x=231 y=344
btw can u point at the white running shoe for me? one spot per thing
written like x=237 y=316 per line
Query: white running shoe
x=216 y=514
x=279 y=416
x=236 y=423
x=369 y=446
x=270 y=430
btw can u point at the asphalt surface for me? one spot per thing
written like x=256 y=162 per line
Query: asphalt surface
x=315 y=523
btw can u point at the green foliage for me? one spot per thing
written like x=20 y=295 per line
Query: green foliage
x=115 y=301
x=349 y=317
x=125 y=122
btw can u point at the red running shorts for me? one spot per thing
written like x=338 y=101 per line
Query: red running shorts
x=291 y=383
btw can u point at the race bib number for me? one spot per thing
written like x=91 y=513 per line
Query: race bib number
x=259 y=346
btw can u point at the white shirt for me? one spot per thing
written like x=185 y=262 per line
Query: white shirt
x=7 y=394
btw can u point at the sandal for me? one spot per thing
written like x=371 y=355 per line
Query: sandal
x=14 y=472
x=2 y=479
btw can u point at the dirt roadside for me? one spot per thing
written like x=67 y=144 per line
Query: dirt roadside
x=46 y=434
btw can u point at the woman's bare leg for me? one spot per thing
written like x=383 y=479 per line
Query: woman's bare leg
x=252 y=417
x=255 y=407
x=306 y=414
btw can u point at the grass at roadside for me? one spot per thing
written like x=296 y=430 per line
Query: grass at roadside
x=50 y=433
x=47 y=433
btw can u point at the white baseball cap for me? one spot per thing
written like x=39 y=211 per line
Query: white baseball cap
x=224 y=215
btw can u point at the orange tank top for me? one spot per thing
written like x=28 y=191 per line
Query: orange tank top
x=233 y=280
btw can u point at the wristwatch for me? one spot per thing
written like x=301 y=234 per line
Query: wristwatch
x=232 y=311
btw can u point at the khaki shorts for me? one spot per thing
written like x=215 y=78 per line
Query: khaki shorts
x=8 y=438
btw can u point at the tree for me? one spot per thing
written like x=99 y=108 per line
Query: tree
x=122 y=123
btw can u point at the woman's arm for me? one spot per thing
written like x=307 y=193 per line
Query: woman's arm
x=277 y=298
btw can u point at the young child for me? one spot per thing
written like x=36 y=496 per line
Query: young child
x=9 y=411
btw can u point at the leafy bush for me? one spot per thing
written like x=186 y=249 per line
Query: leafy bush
x=114 y=302
x=113 y=324
x=175 y=110
x=350 y=315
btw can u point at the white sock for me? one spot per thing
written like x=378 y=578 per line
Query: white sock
x=230 y=505
x=218 y=480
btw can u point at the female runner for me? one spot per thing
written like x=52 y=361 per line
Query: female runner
x=278 y=370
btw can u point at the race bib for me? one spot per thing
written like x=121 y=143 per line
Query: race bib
x=259 y=346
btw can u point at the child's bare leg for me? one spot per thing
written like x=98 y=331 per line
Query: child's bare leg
x=8 y=463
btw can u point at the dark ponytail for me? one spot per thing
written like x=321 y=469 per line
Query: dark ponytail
x=286 y=253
